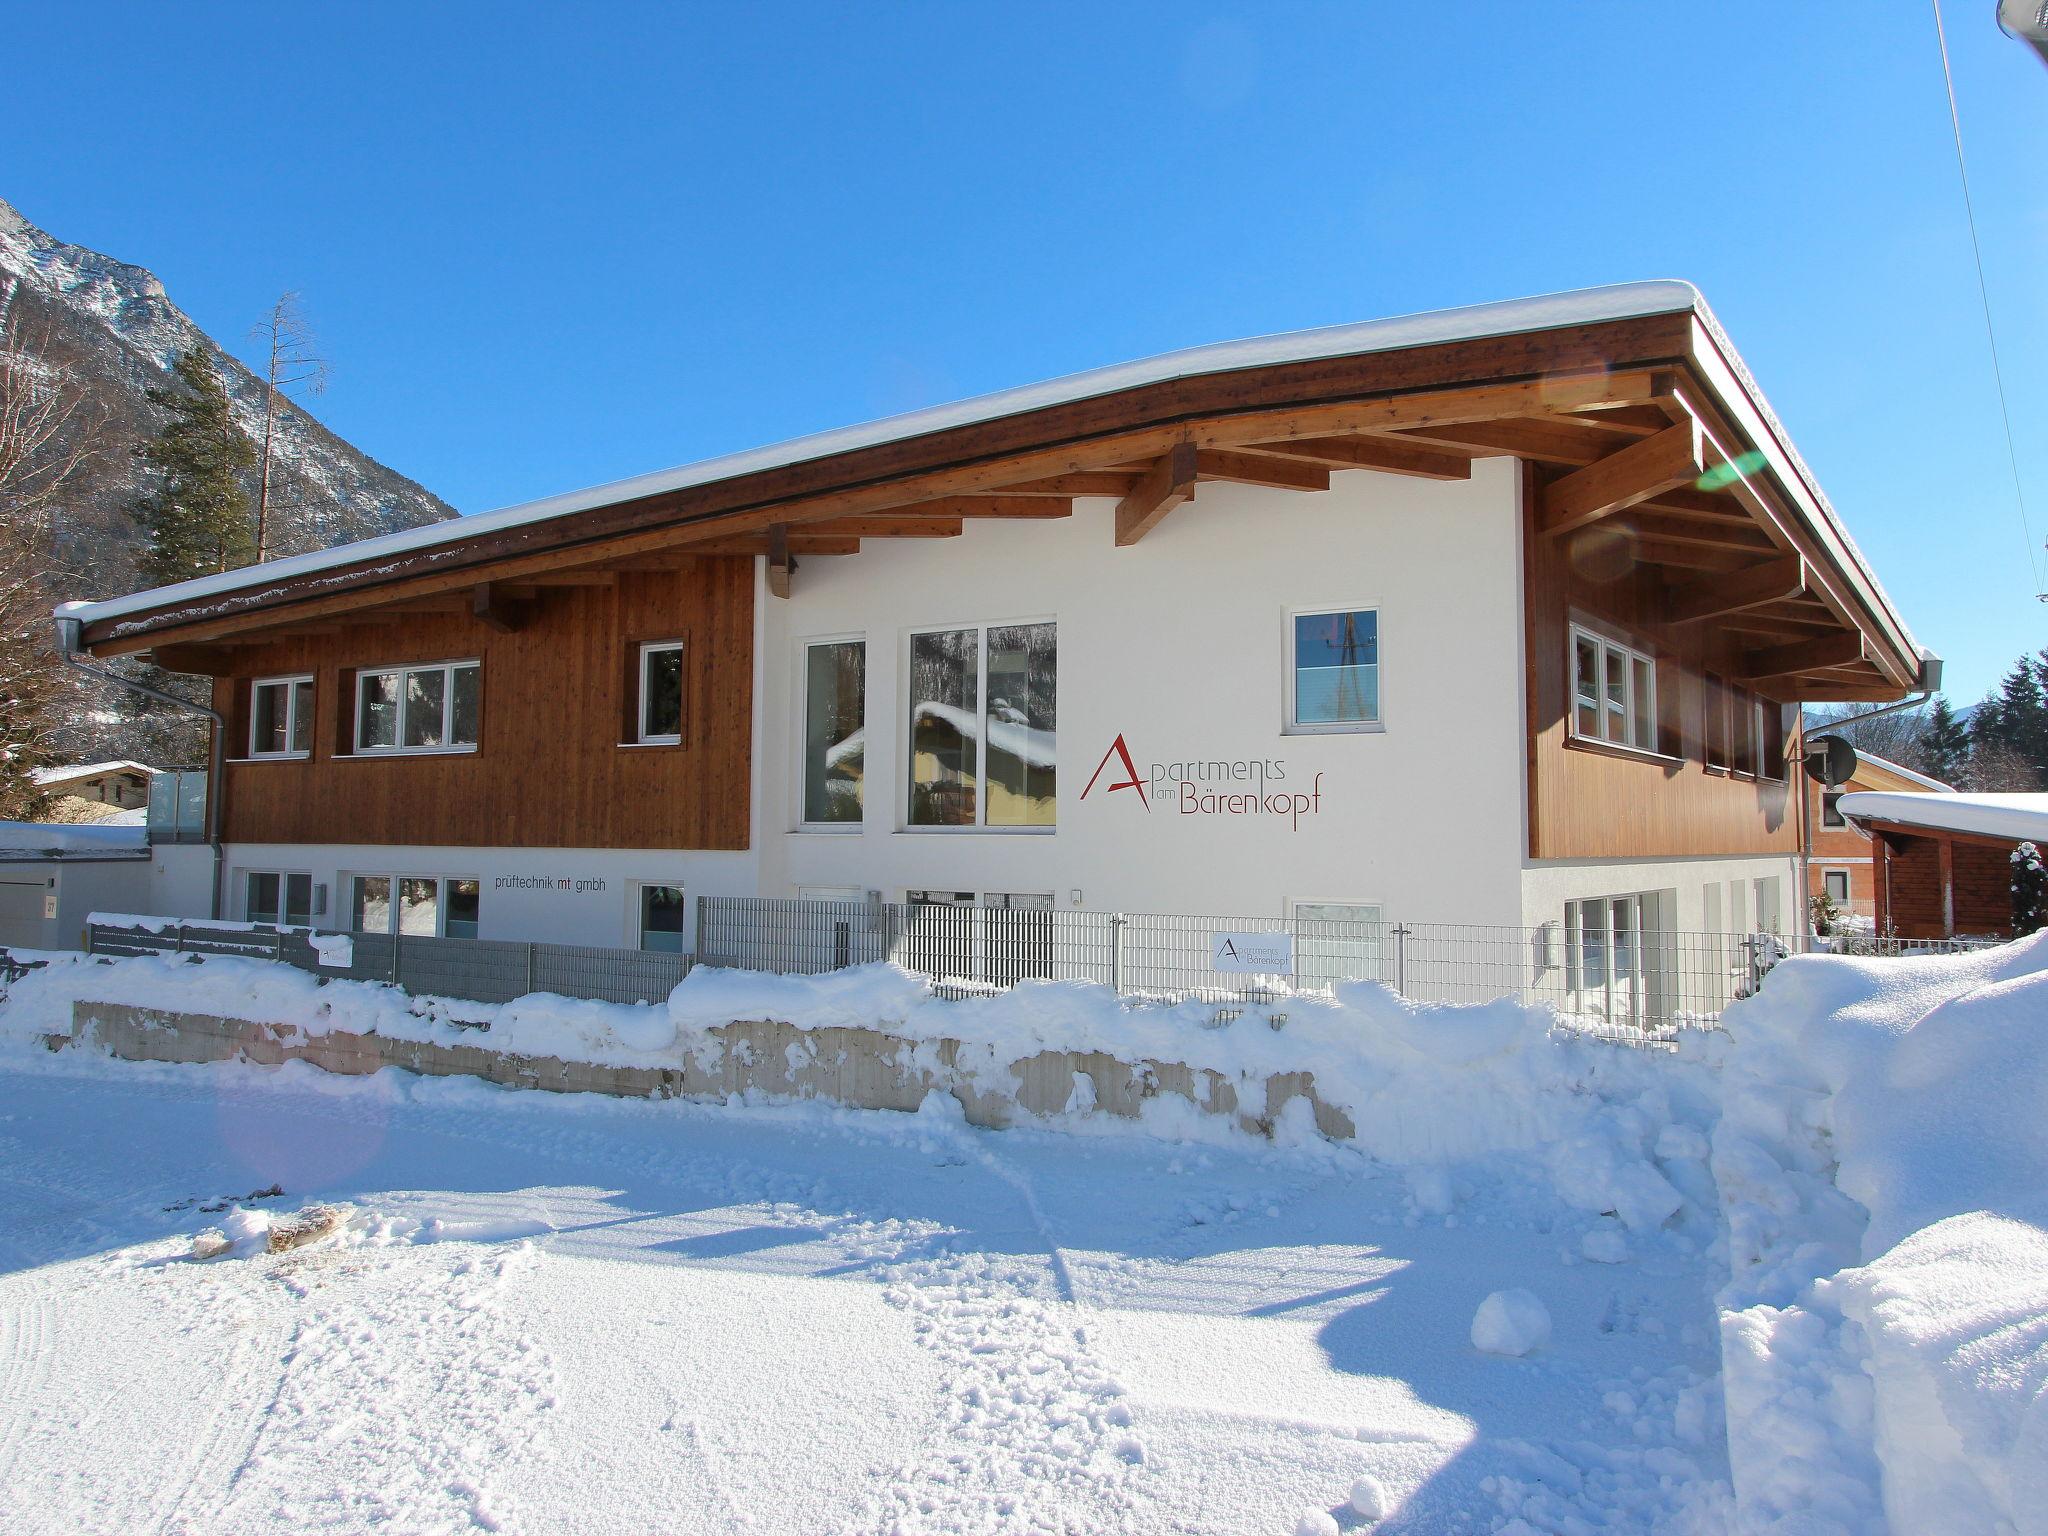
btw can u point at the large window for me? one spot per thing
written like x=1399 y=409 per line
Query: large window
x=661 y=918
x=1614 y=693
x=263 y=890
x=835 y=730
x=416 y=906
x=1333 y=670
x=1615 y=958
x=281 y=717
x=660 y=717
x=418 y=709
x=984 y=726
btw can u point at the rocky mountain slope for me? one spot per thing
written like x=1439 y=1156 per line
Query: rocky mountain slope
x=111 y=327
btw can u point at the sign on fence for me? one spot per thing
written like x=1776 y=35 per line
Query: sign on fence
x=1252 y=954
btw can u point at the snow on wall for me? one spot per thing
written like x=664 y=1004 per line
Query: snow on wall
x=1881 y=1159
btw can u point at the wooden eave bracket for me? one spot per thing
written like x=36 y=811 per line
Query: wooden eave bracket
x=1712 y=596
x=1164 y=486
x=781 y=563
x=491 y=606
x=1821 y=654
x=1648 y=467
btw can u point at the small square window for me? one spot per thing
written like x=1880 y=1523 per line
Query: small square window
x=1837 y=885
x=661 y=918
x=1334 y=670
x=281 y=717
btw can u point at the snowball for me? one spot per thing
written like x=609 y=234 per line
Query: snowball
x=1605 y=1245
x=1368 y=1499
x=1315 y=1522
x=1510 y=1323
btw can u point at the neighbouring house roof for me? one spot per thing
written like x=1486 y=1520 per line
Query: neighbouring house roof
x=1899 y=770
x=40 y=841
x=1558 y=354
x=71 y=772
x=2020 y=817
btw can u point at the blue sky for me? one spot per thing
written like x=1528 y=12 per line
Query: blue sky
x=550 y=246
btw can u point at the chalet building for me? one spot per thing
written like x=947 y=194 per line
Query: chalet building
x=1943 y=863
x=1497 y=615
x=1840 y=860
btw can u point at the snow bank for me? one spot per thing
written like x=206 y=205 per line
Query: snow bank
x=1883 y=1162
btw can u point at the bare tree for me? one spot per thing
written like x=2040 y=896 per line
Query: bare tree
x=49 y=433
x=1896 y=737
x=291 y=362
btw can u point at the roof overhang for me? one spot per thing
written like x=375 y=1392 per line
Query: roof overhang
x=1652 y=446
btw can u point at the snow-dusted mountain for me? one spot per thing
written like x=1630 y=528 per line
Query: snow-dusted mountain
x=112 y=327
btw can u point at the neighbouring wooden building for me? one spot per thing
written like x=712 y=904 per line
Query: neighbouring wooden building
x=1839 y=855
x=1497 y=615
x=1943 y=863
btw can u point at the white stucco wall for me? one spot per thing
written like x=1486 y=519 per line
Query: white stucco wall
x=1179 y=644
x=1547 y=887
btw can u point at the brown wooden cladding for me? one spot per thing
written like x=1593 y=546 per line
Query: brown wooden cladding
x=1591 y=802
x=558 y=697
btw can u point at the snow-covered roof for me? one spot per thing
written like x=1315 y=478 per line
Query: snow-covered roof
x=2017 y=816
x=64 y=774
x=60 y=840
x=1904 y=772
x=1585 y=306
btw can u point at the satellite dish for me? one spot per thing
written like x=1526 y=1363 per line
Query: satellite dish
x=1830 y=760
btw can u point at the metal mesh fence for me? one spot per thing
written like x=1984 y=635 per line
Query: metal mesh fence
x=473 y=970
x=1637 y=986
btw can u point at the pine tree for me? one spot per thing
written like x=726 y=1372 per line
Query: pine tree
x=1945 y=743
x=2011 y=726
x=196 y=516
x=2029 y=891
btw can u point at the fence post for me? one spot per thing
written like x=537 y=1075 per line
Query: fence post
x=1116 y=952
x=529 y=964
x=279 y=955
x=1753 y=962
x=1401 y=933
x=88 y=938
x=397 y=939
x=179 y=945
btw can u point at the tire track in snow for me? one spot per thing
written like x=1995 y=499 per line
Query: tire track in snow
x=235 y=1411
x=25 y=1363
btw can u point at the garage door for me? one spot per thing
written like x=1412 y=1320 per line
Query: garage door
x=21 y=912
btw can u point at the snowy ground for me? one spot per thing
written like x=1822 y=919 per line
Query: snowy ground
x=554 y=1314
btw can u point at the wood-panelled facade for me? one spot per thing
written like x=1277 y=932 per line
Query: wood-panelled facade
x=1935 y=884
x=555 y=765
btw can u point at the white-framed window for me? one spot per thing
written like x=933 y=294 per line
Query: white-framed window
x=280 y=897
x=416 y=906
x=421 y=708
x=659 y=910
x=1333 y=670
x=984 y=726
x=1616 y=959
x=1836 y=883
x=660 y=716
x=1614 y=692
x=281 y=717
x=834 y=731
x=1338 y=941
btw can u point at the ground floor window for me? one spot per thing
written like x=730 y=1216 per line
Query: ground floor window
x=263 y=890
x=1338 y=941
x=1617 y=957
x=835 y=730
x=661 y=918
x=415 y=906
x=1836 y=883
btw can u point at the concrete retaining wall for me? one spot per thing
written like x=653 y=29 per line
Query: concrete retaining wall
x=860 y=1068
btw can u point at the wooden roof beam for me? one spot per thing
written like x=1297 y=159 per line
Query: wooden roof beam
x=1552 y=440
x=1260 y=469
x=1081 y=483
x=492 y=606
x=1645 y=468
x=887 y=528
x=1375 y=453
x=1165 y=486
x=1821 y=654
x=781 y=563
x=1712 y=596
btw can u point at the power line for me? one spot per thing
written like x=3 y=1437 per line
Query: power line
x=1984 y=298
